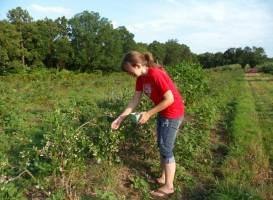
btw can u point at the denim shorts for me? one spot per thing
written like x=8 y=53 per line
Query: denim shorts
x=167 y=129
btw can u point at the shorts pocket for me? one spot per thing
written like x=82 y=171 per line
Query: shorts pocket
x=175 y=123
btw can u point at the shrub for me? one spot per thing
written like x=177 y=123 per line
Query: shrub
x=266 y=67
x=191 y=80
x=16 y=67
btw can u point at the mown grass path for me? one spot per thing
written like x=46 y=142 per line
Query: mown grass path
x=262 y=89
x=246 y=172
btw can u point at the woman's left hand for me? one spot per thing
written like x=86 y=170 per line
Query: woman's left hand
x=145 y=116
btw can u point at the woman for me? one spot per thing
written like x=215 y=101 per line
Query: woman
x=153 y=80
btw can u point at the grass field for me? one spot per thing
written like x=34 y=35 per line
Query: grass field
x=56 y=141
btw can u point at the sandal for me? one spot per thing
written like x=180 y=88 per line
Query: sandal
x=161 y=194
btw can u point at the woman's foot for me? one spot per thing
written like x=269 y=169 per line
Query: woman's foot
x=160 y=181
x=162 y=192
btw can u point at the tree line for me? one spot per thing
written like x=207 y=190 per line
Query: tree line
x=88 y=42
x=243 y=56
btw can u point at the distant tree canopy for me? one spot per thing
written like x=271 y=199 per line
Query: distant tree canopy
x=251 y=56
x=88 y=42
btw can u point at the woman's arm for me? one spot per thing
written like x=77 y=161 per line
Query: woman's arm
x=132 y=104
x=166 y=102
x=168 y=99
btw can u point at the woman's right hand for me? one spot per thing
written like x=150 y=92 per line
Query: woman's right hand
x=116 y=123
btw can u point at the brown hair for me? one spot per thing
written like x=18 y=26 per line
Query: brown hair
x=134 y=57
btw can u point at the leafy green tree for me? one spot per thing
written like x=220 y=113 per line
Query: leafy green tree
x=126 y=38
x=259 y=55
x=218 y=59
x=84 y=30
x=19 y=18
x=97 y=45
x=176 y=53
x=3 y=60
x=31 y=38
x=158 y=50
x=207 y=60
x=109 y=47
x=142 y=47
x=240 y=56
x=62 y=54
x=246 y=56
x=9 y=45
x=230 y=56
x=47 y=32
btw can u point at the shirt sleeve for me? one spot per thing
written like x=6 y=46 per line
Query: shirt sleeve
x=139 y=86
x=160 y=79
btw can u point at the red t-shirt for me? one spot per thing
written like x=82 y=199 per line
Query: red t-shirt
x=155 y=84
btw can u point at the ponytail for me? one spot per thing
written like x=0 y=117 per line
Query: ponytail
x=149 y=59
x=133 y=57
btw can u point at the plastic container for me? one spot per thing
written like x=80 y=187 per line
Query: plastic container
x=135 y=117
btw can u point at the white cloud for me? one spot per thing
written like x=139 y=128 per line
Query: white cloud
x=207 y=26
x=157 y=26
x=51 y=9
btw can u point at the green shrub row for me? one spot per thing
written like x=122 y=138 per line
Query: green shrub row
x=266 y=67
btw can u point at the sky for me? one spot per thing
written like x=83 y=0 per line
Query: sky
x=203 y=25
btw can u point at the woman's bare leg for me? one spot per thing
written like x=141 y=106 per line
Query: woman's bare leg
x=162 y=179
